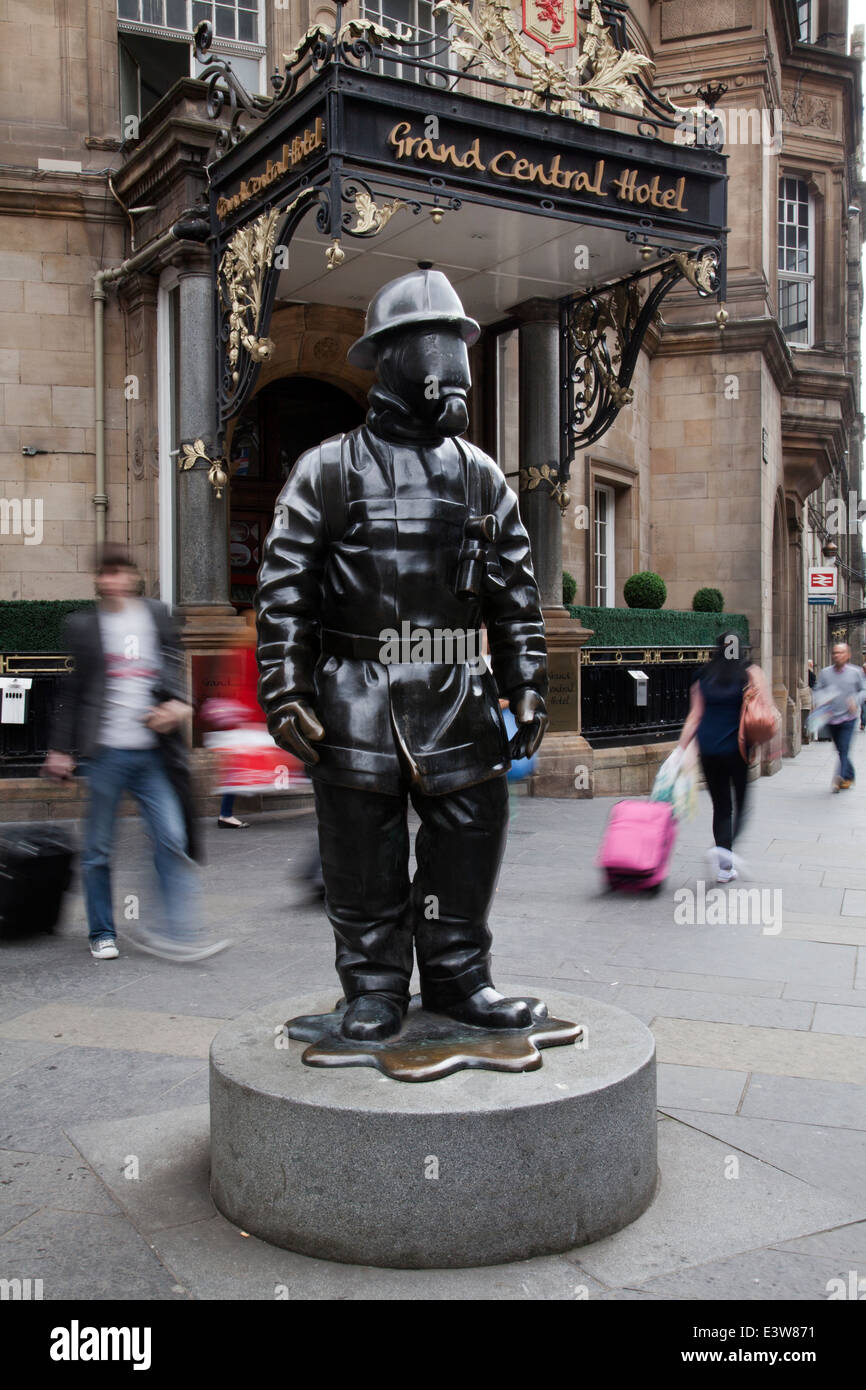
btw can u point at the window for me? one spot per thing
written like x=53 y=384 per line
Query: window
x=231 y=19
x=429 y=31
x=796 y=261
x=156 y=49
x=806 y=14
x=603 y=545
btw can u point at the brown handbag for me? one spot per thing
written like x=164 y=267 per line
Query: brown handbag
x=759 y=720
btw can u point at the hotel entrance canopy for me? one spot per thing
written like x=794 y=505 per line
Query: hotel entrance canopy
x=479 y=150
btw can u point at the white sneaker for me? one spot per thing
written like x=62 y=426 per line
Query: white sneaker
x=104 y=948
x=725 y=875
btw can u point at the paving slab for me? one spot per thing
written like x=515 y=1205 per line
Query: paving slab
x=86 y=1256
x=132 y=1030
x=755 y=1276
x=171 y=1149
x=700 y=1088
x=840 y=1018
x=715 y=950
x=783 y=1052
x=835 y=931
x=34 y=1179
x=715 y=984
x=80 y=1084
x=17 y=1054
x=826 y=1103
x=13 y=1215
x=850 y=998
x=834 y=1159
x=845 y=1243
x=668 y=1003
x=699 y=1215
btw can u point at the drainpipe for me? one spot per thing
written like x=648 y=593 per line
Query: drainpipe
x=191 y=228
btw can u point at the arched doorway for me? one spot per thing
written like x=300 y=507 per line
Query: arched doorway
x=286 y=418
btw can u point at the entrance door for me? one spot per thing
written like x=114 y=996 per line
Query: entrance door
x=282 y=422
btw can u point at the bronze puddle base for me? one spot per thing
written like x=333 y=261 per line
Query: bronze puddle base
x=430 y=1046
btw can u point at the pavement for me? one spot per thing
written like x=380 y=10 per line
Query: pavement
x=760 y=1027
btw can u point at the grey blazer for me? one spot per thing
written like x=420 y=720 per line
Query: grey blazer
x=78 y=716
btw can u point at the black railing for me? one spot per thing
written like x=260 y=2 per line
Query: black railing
x=609 y=711
x=23 y=746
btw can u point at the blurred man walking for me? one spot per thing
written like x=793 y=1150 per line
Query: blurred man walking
x=122 y=711
x=840 y=691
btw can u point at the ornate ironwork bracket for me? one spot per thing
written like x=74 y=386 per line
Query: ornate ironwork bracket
x=247 y=277
x=601 y=335
x=372 y=216
x=248 y=269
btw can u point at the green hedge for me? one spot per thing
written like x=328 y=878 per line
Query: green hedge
x=657 y=627
x=36 y=625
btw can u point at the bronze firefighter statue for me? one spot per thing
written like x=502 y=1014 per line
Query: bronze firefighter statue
x=390 y=547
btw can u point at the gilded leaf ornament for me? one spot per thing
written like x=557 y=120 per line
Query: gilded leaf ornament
x=242 y=275
x=350 y=32
x=372 y=217
x=602 y=76
x=191 y=453
x=701 y=272
x=242 y=272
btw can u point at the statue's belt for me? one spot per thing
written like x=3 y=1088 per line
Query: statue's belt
x=445 y=646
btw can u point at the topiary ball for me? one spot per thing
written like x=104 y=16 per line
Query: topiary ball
x=646 y=589
x=569 y=588
x=708 y=601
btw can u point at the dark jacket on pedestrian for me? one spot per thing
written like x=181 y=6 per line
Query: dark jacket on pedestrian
x=78 y=716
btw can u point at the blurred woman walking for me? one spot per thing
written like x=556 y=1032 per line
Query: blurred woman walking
x=715 y=718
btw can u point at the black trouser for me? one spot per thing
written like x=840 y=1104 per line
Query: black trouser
x=376 y=913
x=724 y=771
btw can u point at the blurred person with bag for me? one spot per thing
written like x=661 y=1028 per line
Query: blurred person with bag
x=123 y=710
x=730 y=713
x=838 y=700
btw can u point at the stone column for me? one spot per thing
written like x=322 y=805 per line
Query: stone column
x=539 y=439
x=202 y=517
x=564 y=764
x=210 y=625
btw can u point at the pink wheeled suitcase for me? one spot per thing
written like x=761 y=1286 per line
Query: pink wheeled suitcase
x=637 y=845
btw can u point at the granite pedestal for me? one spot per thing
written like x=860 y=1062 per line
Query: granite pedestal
x=477 y=1168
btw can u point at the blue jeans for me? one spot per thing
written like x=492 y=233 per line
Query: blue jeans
x=140 y=771
x=841 y=735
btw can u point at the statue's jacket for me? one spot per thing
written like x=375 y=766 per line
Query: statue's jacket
x=367 y=537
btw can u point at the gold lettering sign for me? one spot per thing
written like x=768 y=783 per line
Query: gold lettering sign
x=630 y=191
x=507 y=164
x=294 y=153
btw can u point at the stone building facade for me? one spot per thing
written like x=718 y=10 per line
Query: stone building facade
x=718 y=472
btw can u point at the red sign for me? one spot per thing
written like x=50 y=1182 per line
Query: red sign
x=822 y=579
x=552 y=23
x=822 y=584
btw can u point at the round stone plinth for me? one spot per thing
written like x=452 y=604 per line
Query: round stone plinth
x=480 y=1167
